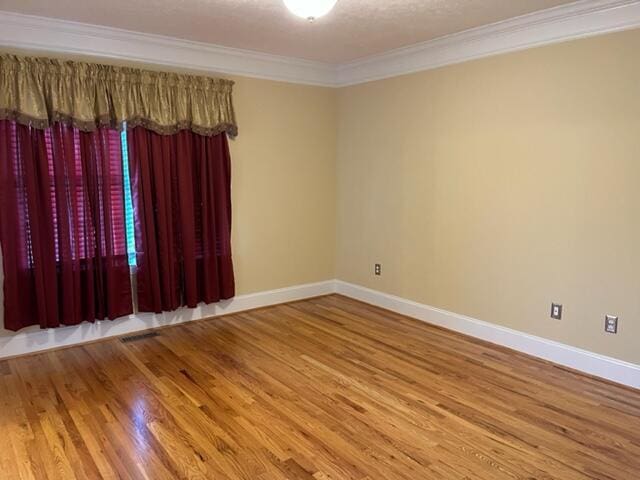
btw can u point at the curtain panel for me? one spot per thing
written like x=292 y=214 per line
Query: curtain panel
x=61 y=226
x=39 y=92
x=181 y=188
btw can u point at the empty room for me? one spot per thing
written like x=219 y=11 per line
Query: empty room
x=320 y=239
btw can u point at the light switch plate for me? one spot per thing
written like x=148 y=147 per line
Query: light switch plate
x=556 y=311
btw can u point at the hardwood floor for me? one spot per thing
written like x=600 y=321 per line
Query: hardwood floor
x=327 y=388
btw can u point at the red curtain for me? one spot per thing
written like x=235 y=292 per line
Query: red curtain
x=62 y=226
x=182 y=200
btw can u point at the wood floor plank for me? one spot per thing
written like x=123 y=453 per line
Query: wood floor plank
x=321 y=389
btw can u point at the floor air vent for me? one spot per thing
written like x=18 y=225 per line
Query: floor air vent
x=135 y=338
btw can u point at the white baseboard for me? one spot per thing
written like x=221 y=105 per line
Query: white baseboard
x=592 y=363
x=34 y=339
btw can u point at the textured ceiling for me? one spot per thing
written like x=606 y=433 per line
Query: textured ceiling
x=354 y=29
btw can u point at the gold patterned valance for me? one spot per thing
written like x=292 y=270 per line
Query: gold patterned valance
x=40 y=91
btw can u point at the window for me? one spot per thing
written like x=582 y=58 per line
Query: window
x=67 y=176
x=73 y=205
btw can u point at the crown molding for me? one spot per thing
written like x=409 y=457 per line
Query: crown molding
x=576 y=20
x=41 y=34
x=567 y=22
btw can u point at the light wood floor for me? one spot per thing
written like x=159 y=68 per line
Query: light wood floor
x=327 y=388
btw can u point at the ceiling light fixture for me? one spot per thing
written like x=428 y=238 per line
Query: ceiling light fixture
x=310 y=9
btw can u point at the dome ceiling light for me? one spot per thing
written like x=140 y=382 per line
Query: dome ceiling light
x=310 y=9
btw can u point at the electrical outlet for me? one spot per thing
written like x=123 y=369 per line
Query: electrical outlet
x=556 y=311
x=610 y=324
x=377 y=269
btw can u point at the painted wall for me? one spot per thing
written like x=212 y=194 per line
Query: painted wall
x=283 y=185
x=494 y=187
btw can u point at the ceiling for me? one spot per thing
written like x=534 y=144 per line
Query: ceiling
x=354 y=29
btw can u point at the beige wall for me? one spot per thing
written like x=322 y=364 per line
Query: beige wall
x=283 y=185
x=495 y=187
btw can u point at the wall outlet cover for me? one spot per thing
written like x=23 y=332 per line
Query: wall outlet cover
x=556 y=311
x=610 y=324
